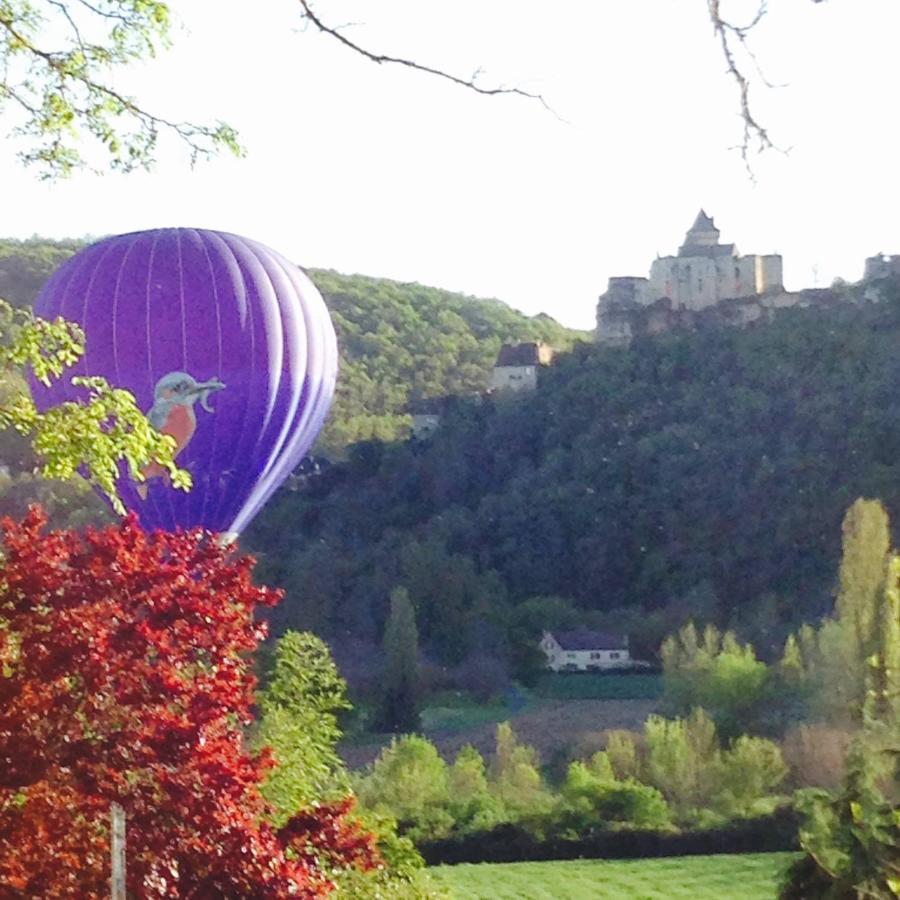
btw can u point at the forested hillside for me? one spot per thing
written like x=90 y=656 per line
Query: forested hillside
x=398 y=342
x=405 y=342
x=699 y=474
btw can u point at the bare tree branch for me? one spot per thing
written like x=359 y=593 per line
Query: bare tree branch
x=732 y=37
x=727 y=32
x=379 y=58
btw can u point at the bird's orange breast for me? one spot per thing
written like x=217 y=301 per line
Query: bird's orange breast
x=180 y=424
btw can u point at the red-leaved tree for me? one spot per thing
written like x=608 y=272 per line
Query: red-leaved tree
x=126 y=677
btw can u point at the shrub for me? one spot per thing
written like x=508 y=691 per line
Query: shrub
x=751 y=769
x=592 y=798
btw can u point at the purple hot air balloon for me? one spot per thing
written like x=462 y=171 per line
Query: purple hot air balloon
x=225 y=344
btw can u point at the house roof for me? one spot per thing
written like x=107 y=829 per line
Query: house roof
x=529 y=354
x=590 y=640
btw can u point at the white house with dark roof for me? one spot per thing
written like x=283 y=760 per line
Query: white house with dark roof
x=582 y=651
x=517 y=366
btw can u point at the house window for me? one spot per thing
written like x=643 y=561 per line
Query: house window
x=614 y=655
x=570 y=656
x=596 y=655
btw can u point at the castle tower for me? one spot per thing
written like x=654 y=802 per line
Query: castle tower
x=703 y=233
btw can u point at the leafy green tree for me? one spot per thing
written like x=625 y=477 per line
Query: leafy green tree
x=622 y=753
x=851 y=838
x=398 y=710
x=683 y=760
x=718 y=673
x=299 y=708
x=409 y=781
x=515 y=779
x=298 y=722
x=866 y=545
x=472 y=805
x=831 y=663
x=59 y=61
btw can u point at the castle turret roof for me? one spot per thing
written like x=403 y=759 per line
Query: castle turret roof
x=703 y=223
x=703 y=239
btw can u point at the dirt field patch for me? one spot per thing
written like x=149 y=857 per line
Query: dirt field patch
x=551 y=727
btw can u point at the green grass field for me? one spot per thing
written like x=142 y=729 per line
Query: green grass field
x=745 y=877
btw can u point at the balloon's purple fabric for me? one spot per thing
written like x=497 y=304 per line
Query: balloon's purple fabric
x=225 y=344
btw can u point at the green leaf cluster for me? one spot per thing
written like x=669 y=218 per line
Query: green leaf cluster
x=93 y=436
x=58 y=61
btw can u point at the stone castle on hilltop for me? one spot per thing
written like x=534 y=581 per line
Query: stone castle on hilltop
x=704 y=275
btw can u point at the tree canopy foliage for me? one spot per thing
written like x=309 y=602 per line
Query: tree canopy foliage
x=402 y=343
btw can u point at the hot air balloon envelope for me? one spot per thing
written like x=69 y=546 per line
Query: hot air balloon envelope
x=225 y=344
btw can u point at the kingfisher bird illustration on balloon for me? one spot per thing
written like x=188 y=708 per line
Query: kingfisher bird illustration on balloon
x=173 y=413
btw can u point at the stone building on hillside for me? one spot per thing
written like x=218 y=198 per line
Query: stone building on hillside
x=517 y=366
x=703 y=274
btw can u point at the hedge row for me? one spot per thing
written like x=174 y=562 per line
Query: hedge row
x=511 y=843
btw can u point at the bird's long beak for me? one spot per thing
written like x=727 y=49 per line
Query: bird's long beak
x=205 y=388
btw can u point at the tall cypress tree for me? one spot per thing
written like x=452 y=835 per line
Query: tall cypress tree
x=866 y=544
x=399 y=707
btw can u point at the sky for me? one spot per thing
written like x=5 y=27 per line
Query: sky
x=388 y=172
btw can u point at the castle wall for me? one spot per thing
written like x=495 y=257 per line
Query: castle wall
x=696 y=282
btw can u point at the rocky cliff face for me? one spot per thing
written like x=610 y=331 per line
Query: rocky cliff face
x=622 y=317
